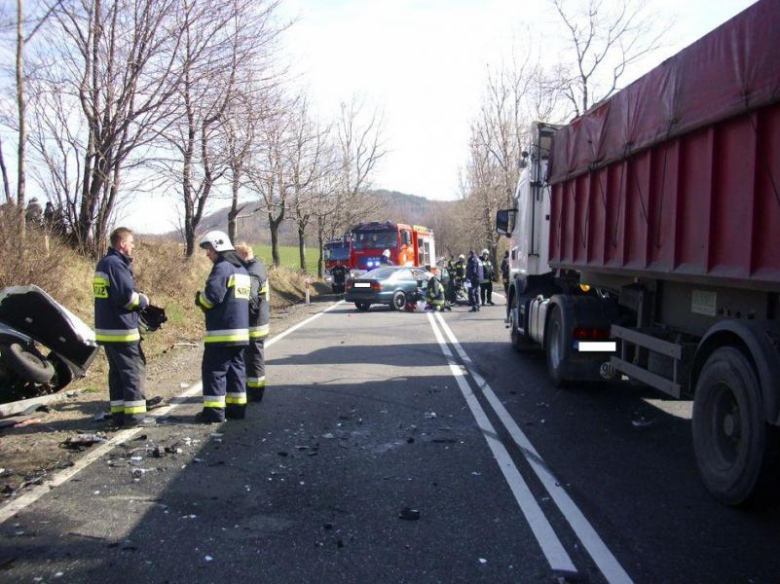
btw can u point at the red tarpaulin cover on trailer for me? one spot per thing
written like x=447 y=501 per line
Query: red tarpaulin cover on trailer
x=678 y=175
x=733 y=69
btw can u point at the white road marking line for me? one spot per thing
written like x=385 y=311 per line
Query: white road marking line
x=499 y=295
x=302 y=324
x=28 y=498
x=604 y=559
x=543 y=532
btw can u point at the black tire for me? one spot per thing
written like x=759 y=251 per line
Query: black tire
x=363 y=306
x=28 y=363
x=736 y=450
x=399 y=300
x=555 y=347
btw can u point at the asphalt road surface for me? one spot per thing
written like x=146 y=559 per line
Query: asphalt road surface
x=397 y=447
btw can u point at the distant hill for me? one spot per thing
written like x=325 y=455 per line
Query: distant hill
x=392 y=205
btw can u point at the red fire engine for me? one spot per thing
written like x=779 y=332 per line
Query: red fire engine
x=409 y=245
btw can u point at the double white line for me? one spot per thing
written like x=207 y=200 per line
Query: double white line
x=556 y=555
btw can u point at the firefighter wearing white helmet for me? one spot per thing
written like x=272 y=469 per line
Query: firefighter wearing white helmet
x=225 y=301
x=385 y=258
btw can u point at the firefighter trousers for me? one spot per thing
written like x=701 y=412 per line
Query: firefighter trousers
x=254 y=355
x=486 y=292
x=126 y=379
x=224 y=377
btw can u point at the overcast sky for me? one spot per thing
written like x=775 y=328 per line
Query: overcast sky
x=423 y=64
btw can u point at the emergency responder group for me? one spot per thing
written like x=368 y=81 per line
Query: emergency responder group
x=235 y=302
x=477 y=274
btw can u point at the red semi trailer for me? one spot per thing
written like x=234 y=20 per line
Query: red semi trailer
x=646 y=244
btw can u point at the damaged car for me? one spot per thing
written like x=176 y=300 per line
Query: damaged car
x=32 y=322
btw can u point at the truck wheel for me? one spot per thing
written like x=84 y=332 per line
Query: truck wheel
x=399 y=300
x=555 y=348
x=363 y=306
x=736 y=449
x=28 y=363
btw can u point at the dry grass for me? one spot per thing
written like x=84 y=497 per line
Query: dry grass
x=161 y=271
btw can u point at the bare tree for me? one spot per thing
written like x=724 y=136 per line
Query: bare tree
x=117 y=59
x=515 y=94
x=310 y=165
x=222 y=47
x=269 y=175
x=240 y=135
x=607 y=38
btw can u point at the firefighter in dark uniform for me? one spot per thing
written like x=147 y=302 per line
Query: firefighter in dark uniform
x=259 y=317
x=117 y=305
x=225 y=300
x=474 y=275
x=505 y=271
x=460 y=269
x=488 y=275
x=434 y=294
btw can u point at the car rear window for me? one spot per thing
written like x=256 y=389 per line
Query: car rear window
x=380 y=273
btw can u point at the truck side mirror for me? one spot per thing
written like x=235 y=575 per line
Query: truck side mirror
x=505 y=221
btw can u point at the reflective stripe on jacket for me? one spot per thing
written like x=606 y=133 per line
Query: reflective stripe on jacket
x=116 y=302
x=435 y=292
x=225 y=300
x=487 y=271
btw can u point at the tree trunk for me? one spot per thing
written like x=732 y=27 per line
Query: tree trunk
x=186 y=184
x=273 y=225
x=321 y=243
x=234 y=210
x=6 y=183
x=20 y=104
x=302 y=248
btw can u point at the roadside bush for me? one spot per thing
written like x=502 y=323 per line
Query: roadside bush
x=46 y=262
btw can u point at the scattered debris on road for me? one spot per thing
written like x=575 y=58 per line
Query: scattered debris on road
x=642 y=422
x=409 y=514
x=82 y=441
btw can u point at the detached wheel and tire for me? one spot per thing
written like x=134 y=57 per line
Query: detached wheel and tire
x=399 y=300
x=736 y=450
x=363 y=306
x=28 y=363
x=555 y=348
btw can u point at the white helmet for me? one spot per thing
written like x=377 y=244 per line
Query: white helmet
x=218 y=240
x=461 y=257
x=484 y=252
x=386 y=253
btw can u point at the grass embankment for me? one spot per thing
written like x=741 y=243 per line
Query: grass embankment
x=289 y=257
x=161 y=272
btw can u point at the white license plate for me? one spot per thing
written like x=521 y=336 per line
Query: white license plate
x=597 y=347
x=362 y=285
